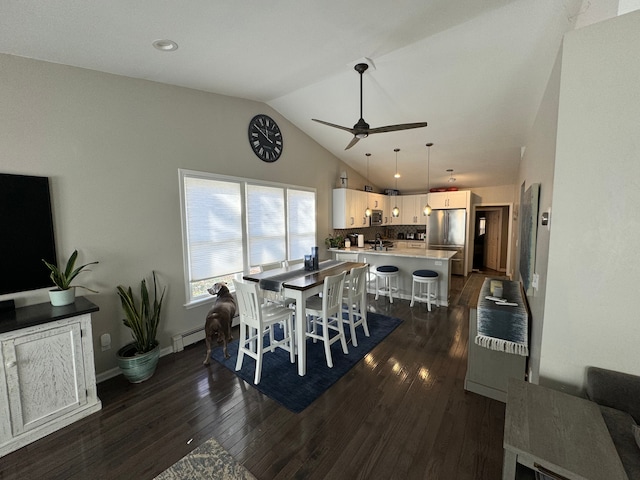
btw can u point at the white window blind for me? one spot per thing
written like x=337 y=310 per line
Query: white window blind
x=232 y=224
x=213 y=216
x=302 y=222
x=266 y=224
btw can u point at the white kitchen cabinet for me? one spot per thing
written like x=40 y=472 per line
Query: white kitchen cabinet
x=406 y=244
x=47 y=374
x=446 y=200
x=348 y=208
x=411 y=210
x=375 y=201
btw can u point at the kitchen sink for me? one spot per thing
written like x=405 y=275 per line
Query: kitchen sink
x=375 y=244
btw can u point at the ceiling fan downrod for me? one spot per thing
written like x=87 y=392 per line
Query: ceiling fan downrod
x=362 y=127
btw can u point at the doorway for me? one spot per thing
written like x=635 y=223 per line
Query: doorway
x=490 y=243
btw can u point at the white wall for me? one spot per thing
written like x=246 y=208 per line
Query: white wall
x=591 y=312
x=537 y=166
x=112 y=147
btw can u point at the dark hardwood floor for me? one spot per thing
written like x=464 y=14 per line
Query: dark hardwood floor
x=402 y=413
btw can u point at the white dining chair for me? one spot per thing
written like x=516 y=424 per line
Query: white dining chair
x=256 y=320
x=355 y=302
x=270 y=296
x=326 y=312
x=291 y=263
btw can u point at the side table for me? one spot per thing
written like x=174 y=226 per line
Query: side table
x=557 y=434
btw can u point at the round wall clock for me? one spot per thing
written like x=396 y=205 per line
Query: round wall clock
x=265 y=138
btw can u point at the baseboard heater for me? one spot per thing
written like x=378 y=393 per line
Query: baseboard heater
x=189 y=337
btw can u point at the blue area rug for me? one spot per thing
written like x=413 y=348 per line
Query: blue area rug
x=280 y=380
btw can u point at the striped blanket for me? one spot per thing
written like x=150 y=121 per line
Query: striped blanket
x=502 y=327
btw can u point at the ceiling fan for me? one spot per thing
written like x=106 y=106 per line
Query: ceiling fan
x=361 y=129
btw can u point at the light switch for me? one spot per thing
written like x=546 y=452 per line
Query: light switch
x=545 y=219
x=535 y=280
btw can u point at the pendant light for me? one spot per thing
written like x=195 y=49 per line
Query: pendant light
x=367 y=212
x=396 y=211
x=451 y=177
x=427 y=208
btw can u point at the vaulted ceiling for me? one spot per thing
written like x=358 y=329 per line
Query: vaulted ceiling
x=474 y=70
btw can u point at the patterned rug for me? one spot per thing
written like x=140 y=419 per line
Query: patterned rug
x=208 y=461
x=280 y=380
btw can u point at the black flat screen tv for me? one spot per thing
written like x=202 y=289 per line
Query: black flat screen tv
x=26 y=233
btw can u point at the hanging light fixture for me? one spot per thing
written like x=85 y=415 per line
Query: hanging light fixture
x=426 y=211
x=396 y=211
x=367 y=212
x=451 y=177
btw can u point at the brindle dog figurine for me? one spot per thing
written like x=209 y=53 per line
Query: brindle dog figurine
x=219 y=319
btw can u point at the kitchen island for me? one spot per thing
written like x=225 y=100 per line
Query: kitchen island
x=407 y=260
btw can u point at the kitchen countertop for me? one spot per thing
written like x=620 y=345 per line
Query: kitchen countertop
x=401 y=252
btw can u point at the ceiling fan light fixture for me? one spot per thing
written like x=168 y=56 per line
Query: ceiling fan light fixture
x=362 y=129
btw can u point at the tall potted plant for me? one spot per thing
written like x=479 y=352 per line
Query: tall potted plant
x=65 y=293
x=138 y=359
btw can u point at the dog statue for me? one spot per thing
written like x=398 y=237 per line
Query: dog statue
x=219 y=318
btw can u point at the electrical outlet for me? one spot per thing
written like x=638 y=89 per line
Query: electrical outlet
x=438 y=263
x=105 y=341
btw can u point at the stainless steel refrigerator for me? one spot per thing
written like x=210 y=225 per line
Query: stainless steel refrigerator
x=447 y=230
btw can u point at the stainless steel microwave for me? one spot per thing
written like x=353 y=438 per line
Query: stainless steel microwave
x=376 y=217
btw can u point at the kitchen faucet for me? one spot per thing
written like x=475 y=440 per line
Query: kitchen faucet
x=379 y=240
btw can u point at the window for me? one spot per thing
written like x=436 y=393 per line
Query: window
x=266 y=224
x=231 y=224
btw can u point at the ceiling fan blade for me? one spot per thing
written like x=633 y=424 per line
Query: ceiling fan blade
x=353 y=141
x=394 y=128
x=334 y=125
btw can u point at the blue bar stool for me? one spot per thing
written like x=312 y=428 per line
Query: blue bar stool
x=422 y=278
x=387 y=273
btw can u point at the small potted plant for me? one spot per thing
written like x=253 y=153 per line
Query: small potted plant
x=65 y=293
x=138 y=360
x=333 y=242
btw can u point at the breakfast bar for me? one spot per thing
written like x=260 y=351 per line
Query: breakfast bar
x=407 y=260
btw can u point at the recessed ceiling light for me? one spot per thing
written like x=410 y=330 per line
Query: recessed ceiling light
x=165 y=45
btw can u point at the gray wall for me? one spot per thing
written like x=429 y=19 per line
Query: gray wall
x=112 y=147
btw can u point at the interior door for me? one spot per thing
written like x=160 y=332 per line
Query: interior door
x=492 y=241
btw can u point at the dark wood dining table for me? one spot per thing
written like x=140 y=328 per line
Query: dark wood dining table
x=300 y=284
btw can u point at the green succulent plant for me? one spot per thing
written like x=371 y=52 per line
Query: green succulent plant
x=334 y=242
x=143 y=320
x=63 y=278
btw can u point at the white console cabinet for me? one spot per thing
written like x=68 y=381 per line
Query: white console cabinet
x=47 y=374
